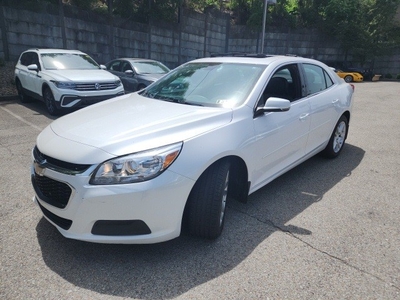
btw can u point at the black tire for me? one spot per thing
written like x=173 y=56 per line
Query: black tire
x=205 y=214
x=50 y=102
x=338 y=137
x=21 y=95
x=348 y=78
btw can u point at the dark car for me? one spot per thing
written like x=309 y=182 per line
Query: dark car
x=137 y=73
x=347 y=66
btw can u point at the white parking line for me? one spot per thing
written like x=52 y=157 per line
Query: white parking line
x=21 y=119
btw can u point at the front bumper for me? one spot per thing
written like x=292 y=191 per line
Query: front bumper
x=76 y=101
x=68 y=98
x=138 y=213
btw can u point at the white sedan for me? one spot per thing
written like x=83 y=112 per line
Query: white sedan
x=144 y=167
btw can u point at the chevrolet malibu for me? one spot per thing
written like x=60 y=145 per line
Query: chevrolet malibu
x=144 y=167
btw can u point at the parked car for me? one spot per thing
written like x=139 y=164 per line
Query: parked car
x=137 y=73
x=347 y=66
x=146 y=166
x=63 y=79
x=349 y=76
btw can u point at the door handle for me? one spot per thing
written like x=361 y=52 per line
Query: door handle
x=303 y=117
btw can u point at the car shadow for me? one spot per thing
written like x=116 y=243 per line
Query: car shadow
x=40 y=109
x=170 y=269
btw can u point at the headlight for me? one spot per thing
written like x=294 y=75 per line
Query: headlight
x=136 y=167
x=64 y=85
x=118 y=82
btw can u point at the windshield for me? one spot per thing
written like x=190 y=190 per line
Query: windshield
x=149 y=67
x=207 y=84
x=68 y=61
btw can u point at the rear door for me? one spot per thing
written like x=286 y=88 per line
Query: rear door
x=324 y=105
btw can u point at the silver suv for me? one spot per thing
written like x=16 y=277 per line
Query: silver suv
x=63 y=79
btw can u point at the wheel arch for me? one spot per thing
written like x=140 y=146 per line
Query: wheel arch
x=347 y=115
x=45 y=85
x=239 y=175
x=238 y=184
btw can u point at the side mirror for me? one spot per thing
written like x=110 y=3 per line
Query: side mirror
x=103 y=67
x=33 y=67
x=274 y=104
x=129 y=72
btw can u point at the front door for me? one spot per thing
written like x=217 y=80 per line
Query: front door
x=281 y=137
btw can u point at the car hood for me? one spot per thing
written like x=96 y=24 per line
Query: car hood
x=125 y=125
x=82 y=75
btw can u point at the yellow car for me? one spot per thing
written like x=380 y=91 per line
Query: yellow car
x=349 y=76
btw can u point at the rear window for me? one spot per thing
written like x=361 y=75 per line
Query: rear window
x=317 y=79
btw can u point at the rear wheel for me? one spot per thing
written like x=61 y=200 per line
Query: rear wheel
x=206 y=205
x=348 y=78
x=21 y=94
x=50 y=102
x=337 y=139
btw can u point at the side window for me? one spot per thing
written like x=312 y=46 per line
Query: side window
x=27 y=58
x=116 y=66
x=24 y=59
x=317 y=79
x=126 y=67
x=35 y=59
x=328 y=80
x=284 y=83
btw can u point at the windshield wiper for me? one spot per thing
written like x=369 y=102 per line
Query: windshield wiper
x=192 y=103
x=169 y=98
x=145 y=93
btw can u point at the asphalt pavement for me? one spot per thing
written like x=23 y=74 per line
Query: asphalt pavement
x=328 y=229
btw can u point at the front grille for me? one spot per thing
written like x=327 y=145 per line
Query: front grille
x=63 y=223
x=53 y=192
x=97 y=86
x=58 y=165
x=87 y=100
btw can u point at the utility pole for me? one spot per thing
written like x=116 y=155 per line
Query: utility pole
x=265 y=21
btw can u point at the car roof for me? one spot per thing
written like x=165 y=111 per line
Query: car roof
x=260 y=59
x=51 y=50
x=136 y=59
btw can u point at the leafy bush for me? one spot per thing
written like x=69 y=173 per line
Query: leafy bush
x=388 y=76
x=398 y=76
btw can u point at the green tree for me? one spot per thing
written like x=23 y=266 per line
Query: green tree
x=382 y=29
x=345 y=21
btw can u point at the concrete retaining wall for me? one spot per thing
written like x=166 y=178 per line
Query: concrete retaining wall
x=196 y=35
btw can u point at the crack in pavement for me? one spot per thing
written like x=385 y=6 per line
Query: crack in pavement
x=288 y=232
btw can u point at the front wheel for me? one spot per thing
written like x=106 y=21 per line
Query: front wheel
x=337 y=139
x=50 y=102
x=206 y=205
